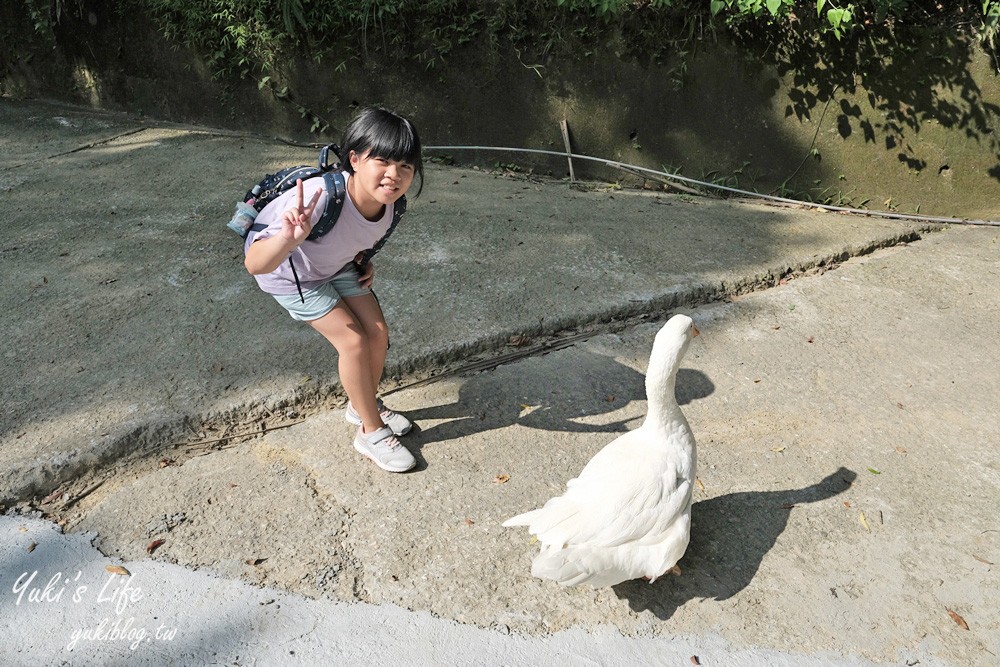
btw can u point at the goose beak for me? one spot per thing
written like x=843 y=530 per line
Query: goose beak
x=696 y=332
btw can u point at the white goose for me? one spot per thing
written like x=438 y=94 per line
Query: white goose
x=628 y=514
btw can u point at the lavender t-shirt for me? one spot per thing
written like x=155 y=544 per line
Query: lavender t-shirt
x=317 y=261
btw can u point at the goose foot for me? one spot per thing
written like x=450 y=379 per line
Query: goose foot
x=675 y=570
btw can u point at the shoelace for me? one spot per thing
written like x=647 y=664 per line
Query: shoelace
x=390 y=441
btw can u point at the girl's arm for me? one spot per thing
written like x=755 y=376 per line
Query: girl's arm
x=266 y=255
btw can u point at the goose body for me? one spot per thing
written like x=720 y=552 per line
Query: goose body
x=628 y=513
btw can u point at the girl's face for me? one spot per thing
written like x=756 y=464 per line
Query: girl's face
x=377 y=182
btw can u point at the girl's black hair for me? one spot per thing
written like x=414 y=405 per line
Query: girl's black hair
x=386 y=135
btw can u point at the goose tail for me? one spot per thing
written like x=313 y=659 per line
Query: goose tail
x=521 y=519
x=566 y=567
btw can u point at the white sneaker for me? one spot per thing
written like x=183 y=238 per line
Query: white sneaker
x=399 y=424
x=384 y=449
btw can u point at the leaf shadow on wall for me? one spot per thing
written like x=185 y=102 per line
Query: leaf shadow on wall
x=912 y=78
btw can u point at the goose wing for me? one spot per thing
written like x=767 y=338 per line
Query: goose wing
x=629 y=491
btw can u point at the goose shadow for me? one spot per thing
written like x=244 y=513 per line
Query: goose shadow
x=556 y=392
x=730 y=535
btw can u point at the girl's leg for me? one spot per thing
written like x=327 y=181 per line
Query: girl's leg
x=369 y=315
x=355 y=360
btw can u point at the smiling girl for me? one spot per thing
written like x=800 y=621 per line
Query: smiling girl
x=327 y=282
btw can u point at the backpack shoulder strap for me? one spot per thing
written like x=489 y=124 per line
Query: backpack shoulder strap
x=336 y=188
x=398 y=209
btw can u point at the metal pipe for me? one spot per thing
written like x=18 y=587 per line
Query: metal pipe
x=754 y=195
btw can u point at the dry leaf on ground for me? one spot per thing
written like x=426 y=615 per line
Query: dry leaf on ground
x=52 y=496
x=864 y=521
x=958 y=619
x=154 y=545
x=118 y=569
x=501 y=479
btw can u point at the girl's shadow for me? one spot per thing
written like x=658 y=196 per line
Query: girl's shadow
x=553 y=393
x=730 y=535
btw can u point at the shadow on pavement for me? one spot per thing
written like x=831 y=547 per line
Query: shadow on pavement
x=730 y=535
x=558 y=394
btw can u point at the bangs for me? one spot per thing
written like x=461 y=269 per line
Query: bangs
x=394 y=141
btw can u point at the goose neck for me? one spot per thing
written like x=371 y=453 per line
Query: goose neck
x=661 y=402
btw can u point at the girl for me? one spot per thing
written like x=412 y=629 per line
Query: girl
x=327 y=282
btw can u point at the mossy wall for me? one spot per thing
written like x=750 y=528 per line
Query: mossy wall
x=913 y=130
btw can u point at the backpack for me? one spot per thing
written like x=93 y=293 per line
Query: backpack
x=271 y=186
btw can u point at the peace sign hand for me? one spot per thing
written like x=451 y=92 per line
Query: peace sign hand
x=296 y=222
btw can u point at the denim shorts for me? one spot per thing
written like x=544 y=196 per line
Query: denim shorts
x=321 y=300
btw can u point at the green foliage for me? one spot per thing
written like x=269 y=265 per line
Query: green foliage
x=45 y=13
x=991 y=23
x=603 y=7
x=841 y=17
x=248 y=37
x=234 y=37
x=752 y=8
x=39 y=13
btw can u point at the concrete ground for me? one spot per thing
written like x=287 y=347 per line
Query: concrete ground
x=843 y=395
